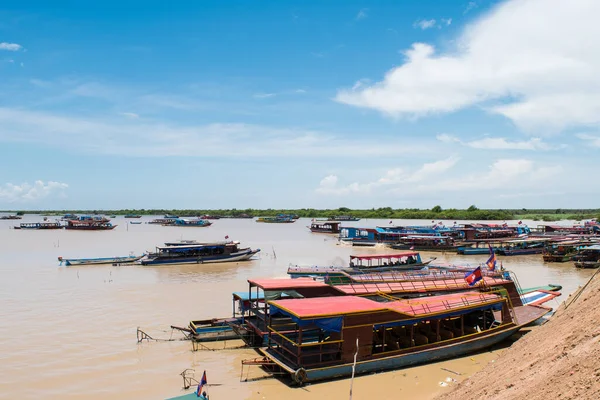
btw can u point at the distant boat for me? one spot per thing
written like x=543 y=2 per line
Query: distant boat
x=87 y=223
x=167 y=216
x=113 y=216
x=343 y=218
x=325 y=227
x=199 y=223
x=280 y=219
x=135 y=222
x=99 y=261
x=132 y=216
x=11 y=217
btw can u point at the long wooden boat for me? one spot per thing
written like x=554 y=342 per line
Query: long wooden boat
x=519 y=247
x=132 y=216
x=276 y=220
x=409 y=260
x=100 y=261
x=480 y=246
x=312 y=340
x=343 y=218
x=199 y=254
x=426 y=243
x=89 y=226
x=186 y=222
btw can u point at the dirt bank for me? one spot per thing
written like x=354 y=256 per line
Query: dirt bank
x=560 y=359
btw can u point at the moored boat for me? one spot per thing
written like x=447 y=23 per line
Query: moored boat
x=588 y=257
x=343 y=218
x=409 y=260
x=100 y=261
x=199 y=254
x=561 y=251
x=132 y=216
x=312 y=340
x=426 y=243
x=325 y=227
x=523 y=246
x=189 y=222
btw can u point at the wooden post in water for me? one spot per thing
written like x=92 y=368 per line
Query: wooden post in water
x=353 y=368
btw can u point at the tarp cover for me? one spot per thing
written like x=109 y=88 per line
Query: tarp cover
x=332 y=324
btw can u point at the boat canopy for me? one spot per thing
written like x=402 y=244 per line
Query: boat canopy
x=384 y=256
x=434 y=304
x=286 y=284
x=315 y=307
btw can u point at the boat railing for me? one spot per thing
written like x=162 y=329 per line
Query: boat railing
x=417 y=285
x=314 y=352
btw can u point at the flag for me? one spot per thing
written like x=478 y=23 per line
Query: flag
x=520 y=222
x=226 y=236
x=491 y=262
x=474 y=276
x=203 y=382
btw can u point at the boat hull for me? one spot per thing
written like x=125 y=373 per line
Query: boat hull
x=557 y=258
x=233 y=257
x=587 y=264
x=399 y=361
x=424 y=248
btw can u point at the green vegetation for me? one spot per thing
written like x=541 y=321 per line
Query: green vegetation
x=436 y=213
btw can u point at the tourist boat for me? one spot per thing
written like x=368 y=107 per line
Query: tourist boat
x=100 y=261
x=324 y=227
x=132 y=216
x=426 y=243
x=90 y=224
x=588 y=257
x=561 y=251
x=343 y=218
x=280 y=219
x=199 y=254
x=519 y=247
x=409 y=260
x=39 y=225
x=187 y=222
x=312 y=340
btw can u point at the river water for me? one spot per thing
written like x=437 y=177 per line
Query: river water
x=70 y=332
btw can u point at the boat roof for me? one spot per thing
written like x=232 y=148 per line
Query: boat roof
x=315 y=307
x=286 y=284
x=528 y=240
x=435 y=304
x=415 y=286
x=385 y=256
x=193 y=246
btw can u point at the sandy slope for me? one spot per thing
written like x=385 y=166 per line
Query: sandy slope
x=560 y=359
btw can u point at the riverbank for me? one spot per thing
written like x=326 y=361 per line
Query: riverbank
x=558 y=359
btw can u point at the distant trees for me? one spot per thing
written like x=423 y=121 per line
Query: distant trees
x=437 y=209
x=472 y=208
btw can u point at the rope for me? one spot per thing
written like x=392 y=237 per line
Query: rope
x=582 y=289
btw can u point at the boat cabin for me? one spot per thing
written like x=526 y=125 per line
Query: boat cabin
x=588 y=257
x=385 y=260
x=325 y=226
x=421 y=242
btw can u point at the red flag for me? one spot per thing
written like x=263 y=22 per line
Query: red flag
x=474 y=276
x=226 y=236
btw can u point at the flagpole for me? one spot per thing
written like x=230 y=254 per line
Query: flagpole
x=353 y=368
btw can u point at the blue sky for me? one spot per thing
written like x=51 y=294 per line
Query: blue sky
x=299 y=104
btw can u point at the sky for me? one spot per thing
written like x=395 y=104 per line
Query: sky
x=299 y=104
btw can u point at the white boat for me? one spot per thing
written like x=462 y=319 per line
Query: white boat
x=99 y=261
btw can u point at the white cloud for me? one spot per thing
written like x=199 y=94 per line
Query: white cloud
x=140 y=138
x=30 y=193
x=392 y=178
x=10 y=46
x=497 y=143
x=446 y=21
x=362 y=14
x=300 y=91
x=590 y=139
x=264 y=95
x=424 y=23
x=532 y=61
x=130 y=115
x=470 y=6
